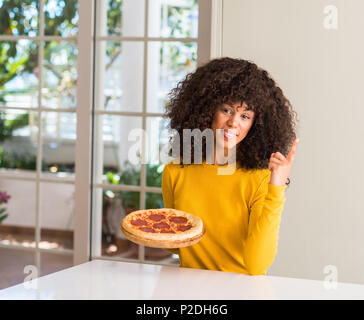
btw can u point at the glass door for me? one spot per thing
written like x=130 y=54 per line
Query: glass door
x=38 y=80
x=143 y=48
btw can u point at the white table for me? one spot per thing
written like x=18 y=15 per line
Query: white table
x=100 y=279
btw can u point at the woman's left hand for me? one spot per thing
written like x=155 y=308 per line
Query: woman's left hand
x=280 y=166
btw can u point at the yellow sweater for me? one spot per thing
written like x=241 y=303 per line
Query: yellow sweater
x=241 y=213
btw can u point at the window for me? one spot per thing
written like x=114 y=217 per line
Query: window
x=51 y=98
x=38 y=79
x=143 y=48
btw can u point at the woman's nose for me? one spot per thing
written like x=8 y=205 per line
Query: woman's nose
x=233 y=120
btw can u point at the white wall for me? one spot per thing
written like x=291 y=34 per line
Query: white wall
x=321 y=72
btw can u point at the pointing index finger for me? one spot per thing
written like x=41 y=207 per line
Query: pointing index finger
x=293 y=150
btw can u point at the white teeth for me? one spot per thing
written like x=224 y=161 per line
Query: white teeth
x=229 y=135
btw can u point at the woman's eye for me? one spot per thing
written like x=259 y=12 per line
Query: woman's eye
x=226 y=110
x=245 y=117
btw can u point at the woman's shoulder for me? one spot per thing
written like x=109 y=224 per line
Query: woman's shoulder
x=173 y=166
x=254 y=173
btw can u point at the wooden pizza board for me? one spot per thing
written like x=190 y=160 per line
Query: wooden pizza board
x=167 y=244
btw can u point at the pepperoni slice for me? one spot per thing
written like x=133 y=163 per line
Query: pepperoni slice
x=146 y=229
x=138 y=222
x=184 y=228
x=157 y=217
x=160 y=225
x=178 y=219
x=167 y=231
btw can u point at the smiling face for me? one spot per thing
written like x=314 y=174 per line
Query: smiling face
x=236 y=122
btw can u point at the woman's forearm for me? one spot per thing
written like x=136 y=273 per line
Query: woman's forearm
x=261 y=243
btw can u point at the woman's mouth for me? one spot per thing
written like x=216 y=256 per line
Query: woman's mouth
x=229 y=135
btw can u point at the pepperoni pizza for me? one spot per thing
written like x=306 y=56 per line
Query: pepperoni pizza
x=164 y=228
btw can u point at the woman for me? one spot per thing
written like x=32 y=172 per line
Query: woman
x=240 y=211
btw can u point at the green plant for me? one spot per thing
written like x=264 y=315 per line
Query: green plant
x=4 y=197
x=130 y=175
x=15 y=160
x=11 y=159
x=8 y=126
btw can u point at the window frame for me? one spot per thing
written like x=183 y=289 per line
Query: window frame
x=208 y=45
x=39 y=176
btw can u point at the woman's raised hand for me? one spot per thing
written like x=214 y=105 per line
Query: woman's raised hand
x=280 y=166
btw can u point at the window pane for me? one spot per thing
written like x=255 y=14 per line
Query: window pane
x=18 y=227
x=120 y=18
x=19 y=17
x=153 y=201
x=112 y=161
x=157 y=140
x=168 y=63
x=19 y=73
x=59 y=140
x=59 y=74
x=12 y=263
x=173 y=18
x=18 y=140
x=57 y=215
x=61 y=18
x=119 y=76
x=109 y=208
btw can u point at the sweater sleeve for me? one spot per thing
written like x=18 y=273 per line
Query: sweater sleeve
x=167 y=193
x=261 y=243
